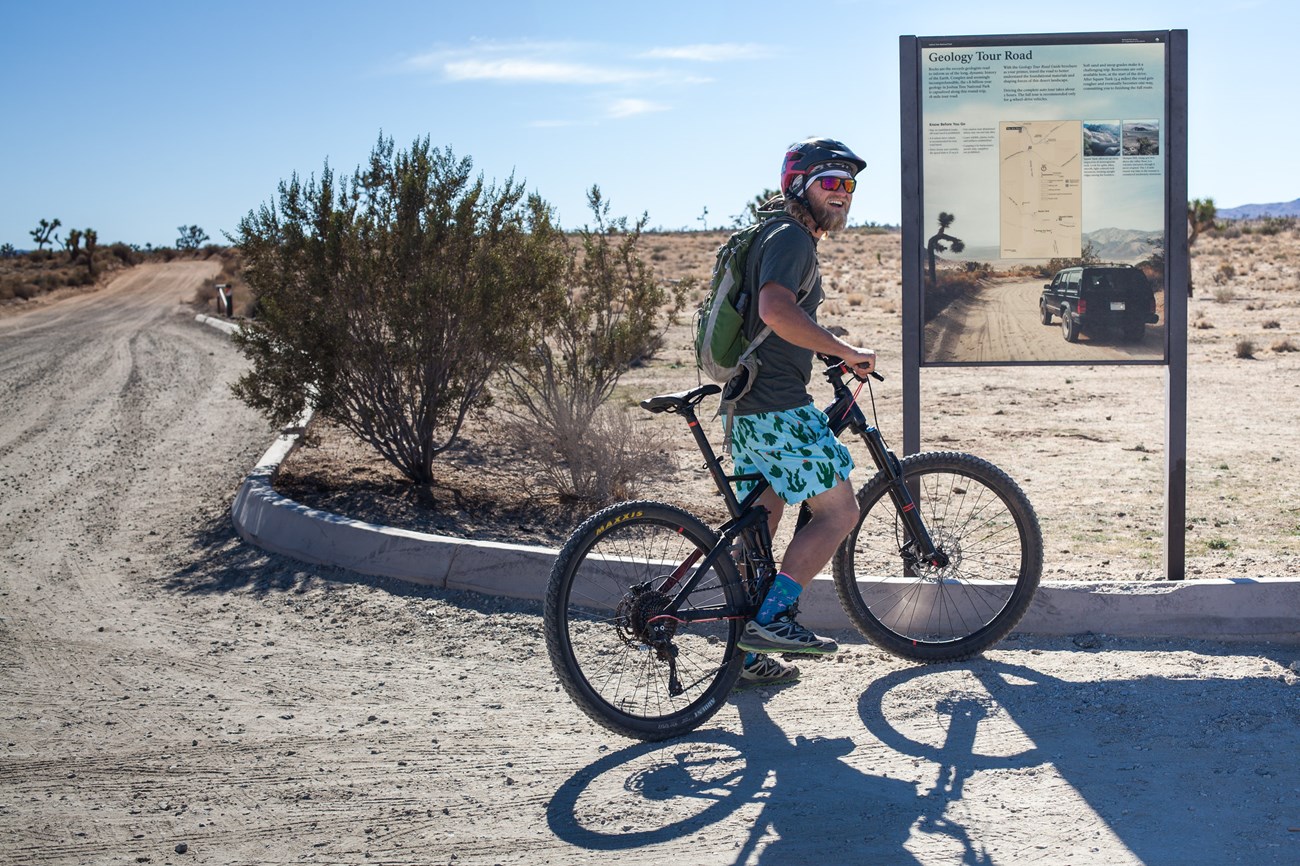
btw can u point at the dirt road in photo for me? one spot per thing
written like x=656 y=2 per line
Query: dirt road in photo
x=169 y=694
x=1001 y=323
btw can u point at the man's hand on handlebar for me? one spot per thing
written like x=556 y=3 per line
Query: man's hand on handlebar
x=859 y=363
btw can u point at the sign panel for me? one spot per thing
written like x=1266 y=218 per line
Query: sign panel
x=1043 y=196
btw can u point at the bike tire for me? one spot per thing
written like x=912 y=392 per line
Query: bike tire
x=600 y=602
x=987 y=527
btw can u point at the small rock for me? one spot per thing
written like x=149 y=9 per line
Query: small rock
x=181 y=847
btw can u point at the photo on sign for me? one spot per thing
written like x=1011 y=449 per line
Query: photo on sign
x=1043 y=201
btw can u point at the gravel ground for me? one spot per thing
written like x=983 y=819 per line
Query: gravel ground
x=169 y=694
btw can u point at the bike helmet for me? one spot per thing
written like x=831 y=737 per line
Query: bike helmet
x=821 y=153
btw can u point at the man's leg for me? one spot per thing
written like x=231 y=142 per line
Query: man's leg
x=834 y=514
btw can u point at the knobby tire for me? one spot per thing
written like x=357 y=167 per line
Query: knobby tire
x=982 y=521
x=595 y=620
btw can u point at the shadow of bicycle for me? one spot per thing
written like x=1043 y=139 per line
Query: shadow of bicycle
x=996 y=755
x=653 y=793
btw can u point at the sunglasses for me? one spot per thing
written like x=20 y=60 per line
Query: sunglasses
x=833 y=183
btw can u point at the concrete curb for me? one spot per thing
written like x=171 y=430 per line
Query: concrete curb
x=220 y=324
x=1263 y=609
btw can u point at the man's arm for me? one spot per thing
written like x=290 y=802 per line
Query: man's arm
x=779 y=308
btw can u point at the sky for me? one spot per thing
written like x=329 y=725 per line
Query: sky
x=136 y=118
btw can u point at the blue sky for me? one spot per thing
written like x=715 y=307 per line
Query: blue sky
x=134 y=118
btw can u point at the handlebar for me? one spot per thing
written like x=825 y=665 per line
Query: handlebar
x=837 y=365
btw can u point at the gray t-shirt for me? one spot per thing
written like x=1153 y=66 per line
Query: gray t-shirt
x=785 y=254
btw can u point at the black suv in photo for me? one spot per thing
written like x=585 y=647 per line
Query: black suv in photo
x=1098 y=297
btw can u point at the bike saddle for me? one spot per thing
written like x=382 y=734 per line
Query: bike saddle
x=680 y=400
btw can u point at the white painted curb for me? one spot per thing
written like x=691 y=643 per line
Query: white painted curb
x=1263 y=609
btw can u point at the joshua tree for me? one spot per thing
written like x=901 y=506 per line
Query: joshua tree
x=935 y=244
x=44 y=233
x=72 y=243
x=192 y=237
x=1200 y=216
x=91 y=238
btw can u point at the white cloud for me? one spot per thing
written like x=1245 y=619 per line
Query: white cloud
x=711 y=52
x=521 y=69
x=576 y=63
x=632 y=107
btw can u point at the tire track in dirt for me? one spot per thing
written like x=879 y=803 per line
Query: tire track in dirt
x=1000 y=323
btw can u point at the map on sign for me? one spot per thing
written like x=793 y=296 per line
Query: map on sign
x=1040 y=186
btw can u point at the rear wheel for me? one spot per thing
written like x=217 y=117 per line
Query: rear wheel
x=627 y=663
x=986 y=528
x=1069 y=326
x=1044 y=313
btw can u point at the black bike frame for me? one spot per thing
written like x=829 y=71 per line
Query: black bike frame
x=748 y=519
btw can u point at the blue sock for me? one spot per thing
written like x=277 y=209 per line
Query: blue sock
x=749 y=658
x=780 y=597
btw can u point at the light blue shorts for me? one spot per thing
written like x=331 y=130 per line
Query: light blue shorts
x=794 y=450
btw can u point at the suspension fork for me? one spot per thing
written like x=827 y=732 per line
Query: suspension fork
x=904 y=499
x=844 y=413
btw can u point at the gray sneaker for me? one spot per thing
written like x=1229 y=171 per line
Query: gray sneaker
x=784 y=635
x=765 y=670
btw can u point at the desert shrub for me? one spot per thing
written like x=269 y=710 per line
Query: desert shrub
x=1275 y=225
x=611 y=316
x=1271 y=325
x=1225 y=272
x=601 y=459
x=123 y=253
x=948 y=287
x=1224 y=294
x=1245 y=348
x=1283 y=345
x=389 y=297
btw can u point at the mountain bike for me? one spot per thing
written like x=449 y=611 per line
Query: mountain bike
x=646 y=602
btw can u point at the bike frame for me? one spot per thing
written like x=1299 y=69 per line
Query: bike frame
x=749 y=519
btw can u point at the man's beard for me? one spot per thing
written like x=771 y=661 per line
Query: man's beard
x=830 y=219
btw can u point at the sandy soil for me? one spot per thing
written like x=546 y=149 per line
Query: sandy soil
x=171 y=695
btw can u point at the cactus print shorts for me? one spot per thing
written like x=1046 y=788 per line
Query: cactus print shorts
x=795 y=450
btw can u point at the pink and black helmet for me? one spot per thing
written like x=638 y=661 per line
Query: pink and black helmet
x=824 y=154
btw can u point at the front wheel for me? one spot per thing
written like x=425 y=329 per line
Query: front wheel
x=984 y=525
x=628 y=657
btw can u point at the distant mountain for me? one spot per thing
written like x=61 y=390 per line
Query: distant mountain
x=1255 y=211
x=1122 y=245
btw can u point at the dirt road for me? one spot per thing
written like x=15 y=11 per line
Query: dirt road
x=1001 y=323
x=165 y=688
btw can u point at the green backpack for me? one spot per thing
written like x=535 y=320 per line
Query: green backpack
x=721 y=349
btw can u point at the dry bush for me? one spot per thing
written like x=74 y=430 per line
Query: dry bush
x=1271 y=325
x=597 y=461
x=1283 y=345
x=1245 y=348
x=1224 y=294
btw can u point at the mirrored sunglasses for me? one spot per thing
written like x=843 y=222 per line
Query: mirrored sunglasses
x=833 y=183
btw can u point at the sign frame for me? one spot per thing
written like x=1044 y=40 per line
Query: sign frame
x=1176 y=276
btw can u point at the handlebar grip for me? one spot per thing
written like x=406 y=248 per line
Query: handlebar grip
x=832 y=361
